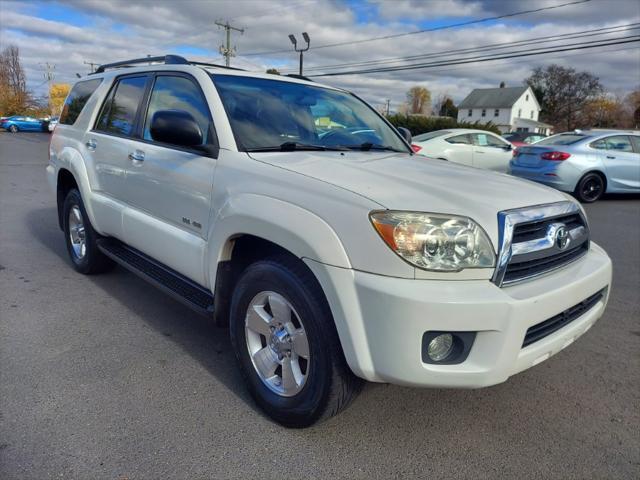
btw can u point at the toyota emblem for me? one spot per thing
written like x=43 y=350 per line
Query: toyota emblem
x=562 y=237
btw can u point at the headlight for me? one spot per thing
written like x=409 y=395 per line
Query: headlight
x=435 y=242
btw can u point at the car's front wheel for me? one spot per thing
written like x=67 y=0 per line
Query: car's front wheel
x=287 y=345
x=13 y=128
x=590 y=188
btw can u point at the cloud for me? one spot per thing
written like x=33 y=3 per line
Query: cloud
x=106 y=31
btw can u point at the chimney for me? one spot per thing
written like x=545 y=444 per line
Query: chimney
x=501 y=84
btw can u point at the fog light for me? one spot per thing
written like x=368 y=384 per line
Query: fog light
x=440 y=347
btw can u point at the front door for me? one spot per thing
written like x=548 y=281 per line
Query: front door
x=491 y=152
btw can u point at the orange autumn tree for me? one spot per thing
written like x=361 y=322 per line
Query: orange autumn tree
x=57 y=94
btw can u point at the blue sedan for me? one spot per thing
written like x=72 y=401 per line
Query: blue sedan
x=22 y=124
x=585 y=163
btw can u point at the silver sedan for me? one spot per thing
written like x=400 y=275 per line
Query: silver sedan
x=585 y=163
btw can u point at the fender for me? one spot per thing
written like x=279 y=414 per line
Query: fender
x=70 y=159
x=296 y=229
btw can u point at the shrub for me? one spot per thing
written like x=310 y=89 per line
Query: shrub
x=419 y=124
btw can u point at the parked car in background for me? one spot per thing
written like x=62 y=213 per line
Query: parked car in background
x=476 y=148
x=586 y=163
x=22 y=124
x=51 y=124
x=520 y=139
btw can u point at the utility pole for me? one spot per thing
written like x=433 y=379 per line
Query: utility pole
x=292 y=37
x=48 y=76
x=91 y=65
x=226 y=50
x=388 y=106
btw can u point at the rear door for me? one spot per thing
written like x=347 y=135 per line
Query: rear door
x=621 y=160
x=491 y=152
x=457 y=149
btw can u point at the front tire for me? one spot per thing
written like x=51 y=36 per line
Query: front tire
x=81 y=238
x=590 y=188
x=13 y=129
x=286 y=344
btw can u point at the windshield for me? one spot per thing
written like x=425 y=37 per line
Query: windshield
x=268 y=115
x=428 y=136
x=563 y=139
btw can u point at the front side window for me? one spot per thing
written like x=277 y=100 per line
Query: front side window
x=119 y=110
x=178 y=93
x=77 y=99
x=487 y=140
x=270 y=114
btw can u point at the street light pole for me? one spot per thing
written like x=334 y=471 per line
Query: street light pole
x=306 y=38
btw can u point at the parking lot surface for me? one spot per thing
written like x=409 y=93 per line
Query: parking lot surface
x=106 y=377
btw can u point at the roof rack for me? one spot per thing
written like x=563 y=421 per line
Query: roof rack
x=299 y=77
x=164 y=59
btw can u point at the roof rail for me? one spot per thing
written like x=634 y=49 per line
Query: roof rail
x=299 y=77
x=165 y=59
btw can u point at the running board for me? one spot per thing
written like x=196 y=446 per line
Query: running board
x=159 y=275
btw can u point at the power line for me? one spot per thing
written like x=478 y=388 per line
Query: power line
x=494 y=46
x=580 y=46
x=433 y=29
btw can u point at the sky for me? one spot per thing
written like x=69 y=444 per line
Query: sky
x=67 y=33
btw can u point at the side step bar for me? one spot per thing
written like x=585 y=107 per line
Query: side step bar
x=161 y=276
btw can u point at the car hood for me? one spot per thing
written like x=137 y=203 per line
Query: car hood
x=417 y=183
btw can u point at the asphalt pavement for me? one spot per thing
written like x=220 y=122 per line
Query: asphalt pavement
x=106 y=377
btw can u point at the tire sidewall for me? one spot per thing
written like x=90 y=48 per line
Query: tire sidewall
x=584 y=180
x=309 y=403
x=82 y=265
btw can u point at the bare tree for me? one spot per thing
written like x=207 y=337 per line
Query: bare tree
x=14 y=96
x=418 y=99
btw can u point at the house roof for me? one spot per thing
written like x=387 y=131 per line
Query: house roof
x=493 y=97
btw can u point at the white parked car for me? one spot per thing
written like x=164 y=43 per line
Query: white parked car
x=475 y=148
x=331 y=254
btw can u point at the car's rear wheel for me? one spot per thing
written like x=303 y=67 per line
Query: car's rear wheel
x=287 y=345
x=590 y=188
x=81 y=238
x=13 y=128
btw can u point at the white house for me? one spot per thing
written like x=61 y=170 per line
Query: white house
x=512 y=109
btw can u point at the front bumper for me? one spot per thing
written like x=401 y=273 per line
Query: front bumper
x=381 y=321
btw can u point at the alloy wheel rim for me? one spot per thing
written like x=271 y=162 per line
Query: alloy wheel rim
x=77 y=233
x=592 y=189
x=277 y=343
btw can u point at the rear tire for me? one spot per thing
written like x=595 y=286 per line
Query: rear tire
x=13 y=129
x=81 y=238
x=590 y=188
x=280 y=288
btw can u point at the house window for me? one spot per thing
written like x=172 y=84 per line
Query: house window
x=496 y=112
x=531 y=113
x=484 y=112
x=519 y=113
x=527 y=97
x=470 y=113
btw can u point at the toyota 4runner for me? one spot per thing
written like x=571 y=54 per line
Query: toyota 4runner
x=297 y=216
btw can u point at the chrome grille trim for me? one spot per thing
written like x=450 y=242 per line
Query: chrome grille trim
x=537 y=248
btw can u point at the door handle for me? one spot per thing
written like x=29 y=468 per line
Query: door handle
x=610 y=157
x=137 y=156
x=91 y=144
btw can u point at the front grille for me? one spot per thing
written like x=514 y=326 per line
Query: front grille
x=538 y=240
x=555 y=323
x=518 y=270
x=524 y=232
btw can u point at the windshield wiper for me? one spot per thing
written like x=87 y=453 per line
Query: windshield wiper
x=375 y=146
x=295 y=146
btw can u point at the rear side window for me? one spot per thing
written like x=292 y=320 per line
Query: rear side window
x=77 y=99
x=464 y=139
x=178 y=93
x=121 y=106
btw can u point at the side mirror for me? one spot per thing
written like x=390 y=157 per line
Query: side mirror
x=405 y=133
x=175 y=127
x=508 y=147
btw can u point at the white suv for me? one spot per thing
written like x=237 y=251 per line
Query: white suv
x=296 y=215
